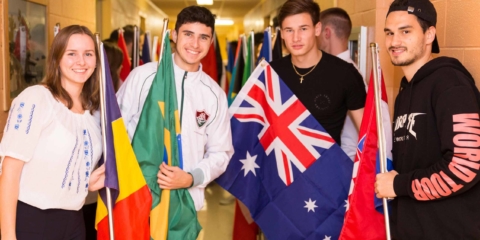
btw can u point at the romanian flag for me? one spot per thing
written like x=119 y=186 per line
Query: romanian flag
x=131 y=199
x=126 y=64
x=156 y=139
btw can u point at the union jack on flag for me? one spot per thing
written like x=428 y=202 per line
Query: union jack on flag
x=286 y=168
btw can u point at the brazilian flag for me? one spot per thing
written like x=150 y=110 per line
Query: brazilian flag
x=156 y=139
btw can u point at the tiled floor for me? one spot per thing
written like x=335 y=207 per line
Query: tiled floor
x=215 y=219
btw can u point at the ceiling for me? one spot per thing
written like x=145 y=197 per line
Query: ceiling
x=232 y=9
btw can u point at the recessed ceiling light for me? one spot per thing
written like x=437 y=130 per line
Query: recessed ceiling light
x=223 y=22
x=205 y=2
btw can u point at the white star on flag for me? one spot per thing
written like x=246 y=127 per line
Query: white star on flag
x=310 y=205
x=249 y=164
x=327 y=237
x=347 y=204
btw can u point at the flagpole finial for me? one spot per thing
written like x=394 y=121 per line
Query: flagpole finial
x=373 y=44
x=97 y=39
x=263 y=63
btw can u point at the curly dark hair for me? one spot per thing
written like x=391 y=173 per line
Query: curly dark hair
x=193 y=14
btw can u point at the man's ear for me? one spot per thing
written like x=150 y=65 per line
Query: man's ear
x=430 y=34
x=174 y=36
x=328 y=32
x=318 y=29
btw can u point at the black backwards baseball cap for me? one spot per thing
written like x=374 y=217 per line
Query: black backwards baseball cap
x=424 y=10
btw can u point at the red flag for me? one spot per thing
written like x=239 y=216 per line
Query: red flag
x=157 y=53
x=126 y=64
x=364 y=218
x=209 y=63
x=242 y=230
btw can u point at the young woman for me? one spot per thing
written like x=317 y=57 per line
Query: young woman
x=51 y=142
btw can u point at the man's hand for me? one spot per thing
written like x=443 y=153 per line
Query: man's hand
x=173 y=177
x=384 y=184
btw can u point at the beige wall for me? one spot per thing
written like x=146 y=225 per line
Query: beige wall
x=123 y=12
x=68 y=12
x=254 y=19
x=65 y=12
x=458 y=33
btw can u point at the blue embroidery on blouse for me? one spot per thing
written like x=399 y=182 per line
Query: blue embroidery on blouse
x=72 y=179
x=19 y=115
x=88 y=152
x=78 y=185
x=30 y=119
x=9 y=117
x=69 y=163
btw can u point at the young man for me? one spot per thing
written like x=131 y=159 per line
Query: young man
x=336 y=28
x=436 y=140
x=206 y=146
x=325 y=84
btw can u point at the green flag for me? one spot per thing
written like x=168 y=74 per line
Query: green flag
x=156 y=139
x=247 y=71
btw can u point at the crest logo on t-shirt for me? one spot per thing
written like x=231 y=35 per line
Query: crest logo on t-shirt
x=202 y=118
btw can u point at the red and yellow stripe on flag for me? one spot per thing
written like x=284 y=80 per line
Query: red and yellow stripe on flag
x=131 y=198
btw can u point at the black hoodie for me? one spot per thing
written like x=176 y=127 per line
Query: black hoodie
x=436 y=150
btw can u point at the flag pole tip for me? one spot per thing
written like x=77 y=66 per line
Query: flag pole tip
x=373 y=44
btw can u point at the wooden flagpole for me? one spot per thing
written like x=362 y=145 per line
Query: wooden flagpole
x=103 y=119
x=381 y=134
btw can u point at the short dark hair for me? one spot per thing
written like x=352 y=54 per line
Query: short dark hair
x=339 y=19
x=258 y=38
x=127 y=34
x=404 y=3
x=294 y=7
x=115 y=58
x=193 y=14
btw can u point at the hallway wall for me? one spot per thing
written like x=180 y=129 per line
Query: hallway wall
x=118 y=13
x=458 y=31
x=65 y=12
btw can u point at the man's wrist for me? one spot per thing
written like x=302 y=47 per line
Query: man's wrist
x=191 y=184
x=198 y=176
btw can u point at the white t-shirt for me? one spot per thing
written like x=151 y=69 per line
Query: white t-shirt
x=349 y=136
x=59 y=147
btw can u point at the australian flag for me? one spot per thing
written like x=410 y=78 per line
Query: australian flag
x=286 y=169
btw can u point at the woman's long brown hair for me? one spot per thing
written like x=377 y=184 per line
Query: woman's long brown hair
x=90 y=96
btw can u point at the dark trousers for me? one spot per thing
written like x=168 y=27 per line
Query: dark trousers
x=51 y=224
x=89 y=213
